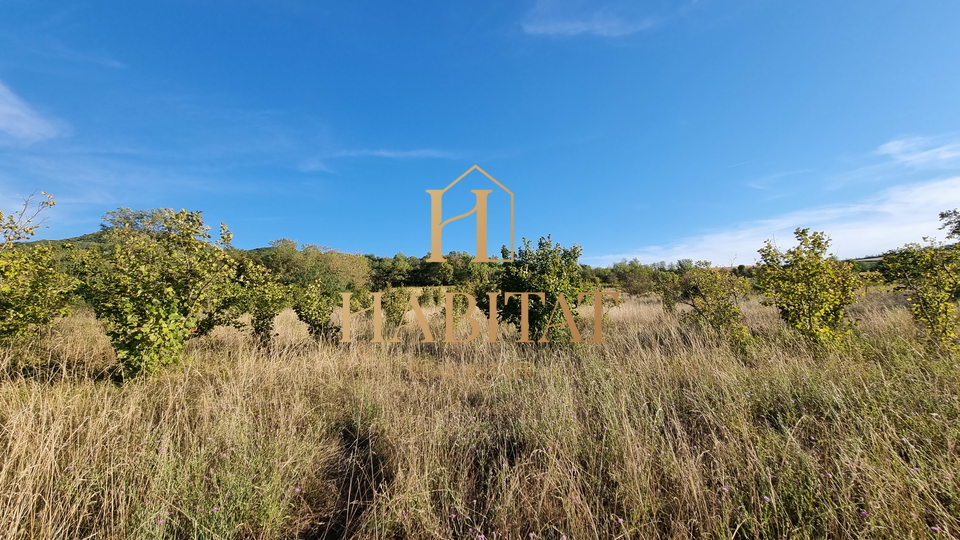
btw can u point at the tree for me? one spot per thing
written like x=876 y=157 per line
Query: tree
x=951 y=223
x=32 y=291
x=550 y=269
x=633 y=277
x=931 y=277
x=314 y=305
x=810 y=290
x=714 y=296
x=165 y=280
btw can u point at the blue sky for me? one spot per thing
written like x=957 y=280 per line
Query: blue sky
x=652 y=129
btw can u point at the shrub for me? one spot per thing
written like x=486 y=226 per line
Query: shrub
x=32 y=291
x=314 y=305
x=931 y=277
x=810 y=290
x=396 y=303
x=163 y=279
x=550 y=269
x=268 y=298
x=714 y=295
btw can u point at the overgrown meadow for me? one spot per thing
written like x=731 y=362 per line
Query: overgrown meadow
x=711 y=410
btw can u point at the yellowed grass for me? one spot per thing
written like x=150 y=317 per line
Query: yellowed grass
x=662 y=432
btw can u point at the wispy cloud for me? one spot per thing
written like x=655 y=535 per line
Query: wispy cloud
x=400 y=154
x=20 y=124
x=598 y=25
x=572 y=18
x=321 y=163
x=887 y=220
x=765 y=182
x=923 y=151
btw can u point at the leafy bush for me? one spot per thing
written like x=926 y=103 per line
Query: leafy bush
x=32 y=291
x=396 y=303
x=301 y=266
x=931 y=277
x=268 y=298
x=811 y=290
x=164 y=278
x=314 y=305
x=632 y=277
x=550 y=269
x=714 y=295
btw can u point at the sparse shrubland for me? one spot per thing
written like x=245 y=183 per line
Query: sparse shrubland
x=663 y=431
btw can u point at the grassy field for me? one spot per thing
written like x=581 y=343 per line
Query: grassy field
x=661 y=432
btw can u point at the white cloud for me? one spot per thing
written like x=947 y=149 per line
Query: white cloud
x=889 y=219
x=19 y=123
x=320 y=163
x=598 y=25
x=418 y=153
x=575 y=17
x=923 y=151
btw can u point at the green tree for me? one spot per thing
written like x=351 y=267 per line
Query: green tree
x=810 y=290
x=715 y=297
x=632 y=277
x=32 y=291
x=550 y=269
x=266 y=299
x=396 y=303
x=931 y=277
x=159 y=285
x=314 y=305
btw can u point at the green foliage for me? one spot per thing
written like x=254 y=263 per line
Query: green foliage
x=931 y=277
x=267 y=300
x=164 y=279
x=32 y=291
x=667 y=285
x=810 y=290
x=427 y=296
x=314 y=305
x=301 y=266
x=632 y=277
x=396 y=303
x=951 y=223
x=714 y=295
x=550 y=269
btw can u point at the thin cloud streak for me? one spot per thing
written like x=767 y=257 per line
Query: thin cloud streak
x=320 y=164
x=599 y=26
x=20 y=124
x=574 y=18
x=922 y=151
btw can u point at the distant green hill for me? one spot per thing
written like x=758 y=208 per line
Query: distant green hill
x=94 y=239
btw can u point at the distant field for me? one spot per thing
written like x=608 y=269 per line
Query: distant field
x=662 y=432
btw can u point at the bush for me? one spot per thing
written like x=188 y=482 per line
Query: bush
x=314 y=305
x=714 y=295
x=550 y=269
x=396 y=303
x=32 y=291
x=931 y=277
x=268 y=298
x=810 y=290
x=164 y=278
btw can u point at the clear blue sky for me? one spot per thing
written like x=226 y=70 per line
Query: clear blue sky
x=656 y=129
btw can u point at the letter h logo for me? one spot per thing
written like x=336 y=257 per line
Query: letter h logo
x=480 y=209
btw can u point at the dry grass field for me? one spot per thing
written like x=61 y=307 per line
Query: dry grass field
x=661 y=432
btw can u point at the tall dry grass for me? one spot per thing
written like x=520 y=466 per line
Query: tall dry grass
x=661 y=432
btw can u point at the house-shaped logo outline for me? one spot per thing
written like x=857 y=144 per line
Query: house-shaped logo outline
x=512 y=223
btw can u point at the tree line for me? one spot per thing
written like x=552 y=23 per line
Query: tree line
x=156 y=278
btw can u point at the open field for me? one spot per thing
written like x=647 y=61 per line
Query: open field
x=661 y=432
